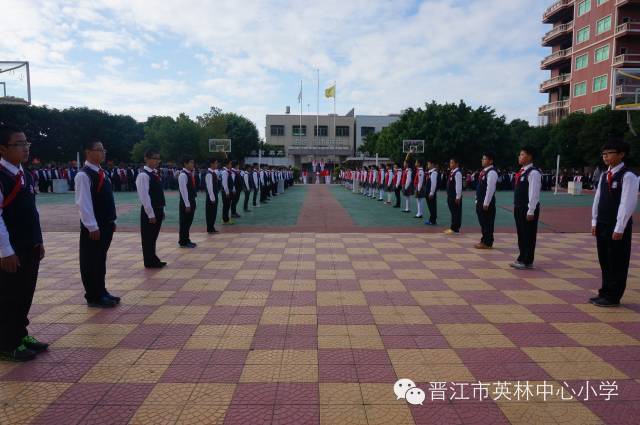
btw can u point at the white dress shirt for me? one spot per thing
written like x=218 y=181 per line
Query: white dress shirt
x=254 y=174
x=83 y=197
x=183 y=180
x=142 y=185
x=398 y=177
x=409 y=178
x=433 y=176
x=492 y=181
x=458 y=179
x=6 y=250
x=208 y=180
x=535 y=184
x=225 y=180
x=420 y=179
x=628 y=200
x=245 y=177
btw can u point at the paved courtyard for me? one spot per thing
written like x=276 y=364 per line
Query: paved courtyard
x=310 y=327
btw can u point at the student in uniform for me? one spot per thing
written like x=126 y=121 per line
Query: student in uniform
x=526 y=207
x=21 y=247
x=382 y=181
x=94 y=198
x=212 y=184
x=454 y=197
x=407 y=186
x=418 y=183
x=611 y=223
x=486 y=200
x=151 y=194
x=188 y=188
x=397 y=184
x=256 y=183
x=236 y=181
x=247 y=186
x=431 y=183
x=227 y=192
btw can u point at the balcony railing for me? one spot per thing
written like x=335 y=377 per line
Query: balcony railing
x=553 y=106
x=560 y=79
x=628 y=28
x=627 y=59
x=557 y=6
x=623 y=2
x=553 y=57
x=560 y=29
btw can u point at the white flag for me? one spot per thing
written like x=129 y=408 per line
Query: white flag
x=300 y=95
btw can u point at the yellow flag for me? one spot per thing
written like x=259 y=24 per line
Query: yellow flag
x=330 y=92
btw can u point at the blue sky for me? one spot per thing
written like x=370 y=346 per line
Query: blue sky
x=143 y=57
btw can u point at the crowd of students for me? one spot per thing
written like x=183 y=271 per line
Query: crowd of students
x=21 y=243
x=22 y=248
x=614 y=203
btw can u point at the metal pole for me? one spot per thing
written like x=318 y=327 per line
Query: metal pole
x=555 y=192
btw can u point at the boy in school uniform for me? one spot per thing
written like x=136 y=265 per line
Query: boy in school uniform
x=94 y=198
x=212 y=184
x=486 y=201
x=151 y=194
x=431 y=183
x=21 y=247
x=407 y=186
x=397 y=184
x=454 y=197
x=247 y=186
x=256 y=183
x=188 y=188
x=611 y=223
x=418 y=183
x=526 y=207
x=228 y=192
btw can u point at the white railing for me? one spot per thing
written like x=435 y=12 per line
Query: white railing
x=563 y=104
x=564 y=78
x=556 y=6
x=556 y=55
x=557 y=30
x=628 y=58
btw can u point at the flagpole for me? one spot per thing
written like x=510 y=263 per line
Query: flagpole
x=300 y=128
x=318 y=114
x=335 y=134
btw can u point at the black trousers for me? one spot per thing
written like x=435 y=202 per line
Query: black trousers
x=93 y=261
x=16 y=296
x=527 y=233
x=149 y=235
x=247 y=194
x=397 y=193
x=186 y=219
x=211 y=213
x=255 y=195
x=226 y=206
x=432 y=204
x=487 y=221
x=614 y=260
x=235 y=197
x=456 y=213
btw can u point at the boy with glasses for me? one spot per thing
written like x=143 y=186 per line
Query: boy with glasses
x=611 y=223
x=151 y=194
x=21 y=247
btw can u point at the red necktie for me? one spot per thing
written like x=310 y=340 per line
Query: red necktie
x=518 y=174
x=100 y=179
x=15 y=191
x=609 y=178
x=193 y=180
x=156 y=174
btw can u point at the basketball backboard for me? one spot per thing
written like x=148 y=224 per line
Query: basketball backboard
x=220 y=145
x=413 y=146
x=625 y=94
x=15 y=83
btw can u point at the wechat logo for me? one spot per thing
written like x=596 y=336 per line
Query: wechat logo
x=406 y=389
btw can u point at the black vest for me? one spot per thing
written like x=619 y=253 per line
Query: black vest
x=481 y=190
x=610 y=197
x=451 y=184
x=156 y=192
x=521 y=191
x=21 y=216
x=191 y=188
x=104 y=207
x=214 y=184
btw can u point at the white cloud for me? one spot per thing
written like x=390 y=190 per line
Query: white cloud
x=160 y=65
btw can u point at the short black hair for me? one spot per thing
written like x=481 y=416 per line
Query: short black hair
x=91 y=143
x=489 y=155
x=234 y=163
x=454 y=159
x=617 y=144
x=151 y=152
x=6 y=131
x=419 y=161
x=186 y=159
x=213 y=160
x=530 y=150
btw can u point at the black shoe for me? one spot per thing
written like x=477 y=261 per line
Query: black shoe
x=594 y=299
x=247 y=210
x=236 y=215
x=102 y=302
x=188 y=245
x=34 y=345
x=603 y=302
x=113 y=297
x=158 y=265
x=19 y=354
x=212 y=232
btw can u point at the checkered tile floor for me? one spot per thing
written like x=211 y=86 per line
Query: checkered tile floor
x=316 y=328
